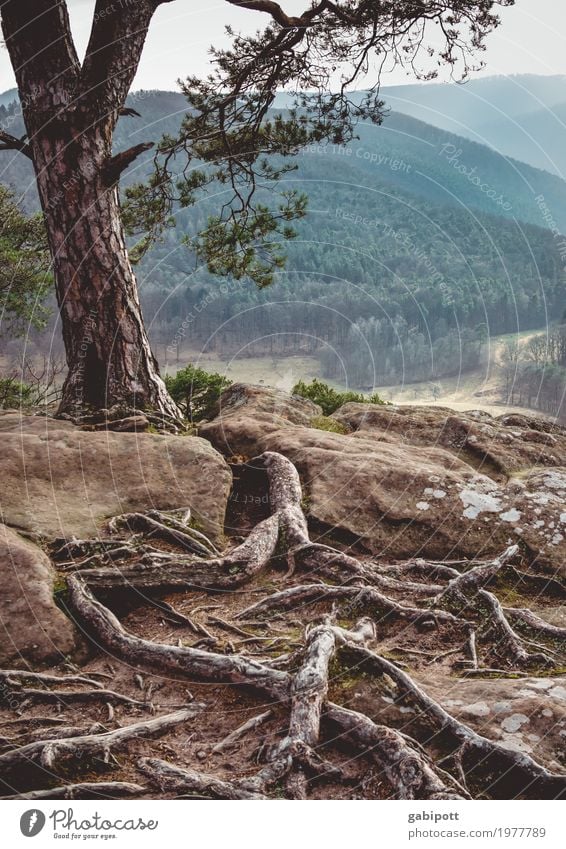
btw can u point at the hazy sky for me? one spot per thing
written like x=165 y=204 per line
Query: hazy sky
x=531 y=39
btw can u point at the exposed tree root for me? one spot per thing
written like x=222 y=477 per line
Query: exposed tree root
x=468 y=583
x=51 y=754
x=407 y=768
x=74 y=696
x=13 y=678
x=359 y=598
x=239 y=732
x=188 y=662
x=84 y=790
x=178 y=780
x=508 y=644
x=468 y=741
x=57 y=733
x=405 y=764
x=157 y=525
x=535 y=623
x=466 y=594
x=448 y=598
x=181 y=573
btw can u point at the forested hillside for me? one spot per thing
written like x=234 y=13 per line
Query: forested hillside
x=418 y=245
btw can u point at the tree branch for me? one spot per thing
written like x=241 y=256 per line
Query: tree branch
x=45 y=62
x=118 y=163
x=112 y=56
x=273 y=9
x=9 y=142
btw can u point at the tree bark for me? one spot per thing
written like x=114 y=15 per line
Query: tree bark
x=108 y=352
x=70 y=114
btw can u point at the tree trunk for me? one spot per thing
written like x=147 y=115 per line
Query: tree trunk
x=108 y=353
x=70 y=113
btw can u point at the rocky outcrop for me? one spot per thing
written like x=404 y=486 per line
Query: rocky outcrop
x=33 y=628
x=59 y=481
x=414 y=481
x=495 y=446
x=398 y=501
x=247 y=413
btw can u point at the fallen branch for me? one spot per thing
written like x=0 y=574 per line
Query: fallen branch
x=50 y=754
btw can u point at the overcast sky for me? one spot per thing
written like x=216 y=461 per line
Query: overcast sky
x=531 y=39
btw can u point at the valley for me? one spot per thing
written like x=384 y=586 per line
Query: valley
x=479 y=389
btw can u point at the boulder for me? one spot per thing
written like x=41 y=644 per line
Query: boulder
x=33 y=627
x=59 y=481
x=397 y=500
x=246 y=413
x=12 y=421
x=494 y=446
x=410 y=481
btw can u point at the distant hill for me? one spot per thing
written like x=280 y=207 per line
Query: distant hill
x=464 y=108
x=448 y=169
x=536 y=137
x=424 y=234
x=404 y=152
x=9 y=96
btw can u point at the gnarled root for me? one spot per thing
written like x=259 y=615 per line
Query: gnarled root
x=425 y=595
x=83 y=790
x=467 y=741
x=50 y=754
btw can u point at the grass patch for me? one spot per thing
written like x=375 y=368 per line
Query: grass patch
x=328 y=424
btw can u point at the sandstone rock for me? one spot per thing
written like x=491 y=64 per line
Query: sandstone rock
x=494 y=446
x=412 y=481
x=540 y=505
x=12 y=421
x=525 y=714
x=33 y=627
x=59 y=481
x=246 y=413
x=398 y=501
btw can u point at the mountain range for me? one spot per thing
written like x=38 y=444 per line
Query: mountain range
x=414 y=222
x=522 y=116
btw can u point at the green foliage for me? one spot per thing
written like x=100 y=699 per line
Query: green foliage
x=328 y=424
x=14 y=393
x=24 y=264
x=236 y=139
x=196 y=391
x=330 y=399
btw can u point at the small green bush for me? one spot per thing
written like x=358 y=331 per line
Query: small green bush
x=14 y=393
x=330 y=399
x=196 y=391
